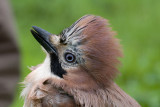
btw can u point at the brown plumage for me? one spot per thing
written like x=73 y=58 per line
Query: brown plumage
x=79 y=69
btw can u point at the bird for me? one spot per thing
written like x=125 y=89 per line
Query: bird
x=79 y=69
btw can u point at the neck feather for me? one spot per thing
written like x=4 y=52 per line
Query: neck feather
x=112 y=96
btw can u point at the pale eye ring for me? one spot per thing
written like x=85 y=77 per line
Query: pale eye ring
x=69 y=57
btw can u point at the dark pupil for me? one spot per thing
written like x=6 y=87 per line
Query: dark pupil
x=69 y=57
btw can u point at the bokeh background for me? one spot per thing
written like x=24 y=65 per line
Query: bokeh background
x=137 y=23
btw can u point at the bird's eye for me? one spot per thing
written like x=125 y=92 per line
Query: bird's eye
x=69 y=57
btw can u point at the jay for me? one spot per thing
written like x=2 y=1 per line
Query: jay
x=79 y=68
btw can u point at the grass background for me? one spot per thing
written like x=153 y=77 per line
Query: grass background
x=137 y=23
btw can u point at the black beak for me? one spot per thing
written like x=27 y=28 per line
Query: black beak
x=42 y=37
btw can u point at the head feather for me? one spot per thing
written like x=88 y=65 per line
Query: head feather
x=100 y=48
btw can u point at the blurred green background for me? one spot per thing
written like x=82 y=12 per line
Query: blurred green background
x=137 y=23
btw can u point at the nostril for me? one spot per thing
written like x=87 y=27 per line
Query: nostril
x=62 y=40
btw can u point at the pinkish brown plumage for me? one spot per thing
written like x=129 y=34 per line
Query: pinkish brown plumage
x=79 y=69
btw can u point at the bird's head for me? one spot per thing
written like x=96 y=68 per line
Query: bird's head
x=85 y=55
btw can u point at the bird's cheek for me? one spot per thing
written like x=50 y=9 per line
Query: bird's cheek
x=80 y=80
